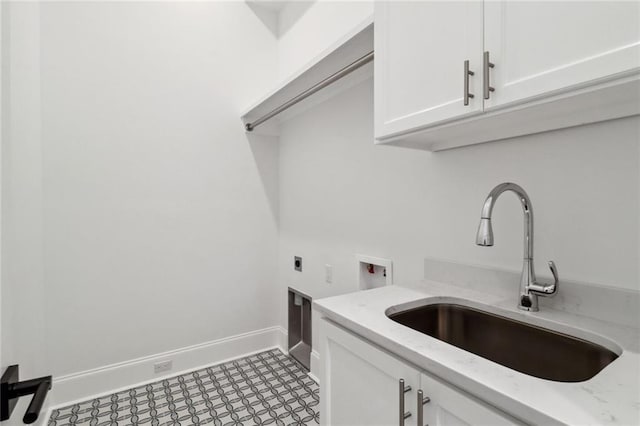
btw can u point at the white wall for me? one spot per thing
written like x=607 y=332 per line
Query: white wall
x=22 y=289
x=2 y=137
x=340 y=195
x=157 y=232
x=22 y=294
x=307 y=28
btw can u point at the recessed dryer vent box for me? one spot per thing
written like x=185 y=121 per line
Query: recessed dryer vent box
x=300 y=327
x=374 y=272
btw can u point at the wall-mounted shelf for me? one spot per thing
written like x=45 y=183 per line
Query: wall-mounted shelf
x=353 y=46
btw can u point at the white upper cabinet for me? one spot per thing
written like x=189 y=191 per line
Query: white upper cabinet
x=537 y=66
x=421 y=48
x=547 y=47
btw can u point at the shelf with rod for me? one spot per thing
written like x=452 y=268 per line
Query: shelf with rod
x=345 y=62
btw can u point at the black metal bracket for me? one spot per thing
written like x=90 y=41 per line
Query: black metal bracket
x=11 y=388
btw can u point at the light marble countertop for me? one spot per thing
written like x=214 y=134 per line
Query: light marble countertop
x=612 y=397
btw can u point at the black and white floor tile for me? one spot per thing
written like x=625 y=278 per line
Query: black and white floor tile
x=268 y=388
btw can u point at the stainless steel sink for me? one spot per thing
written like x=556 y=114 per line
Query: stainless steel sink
x=526 y=348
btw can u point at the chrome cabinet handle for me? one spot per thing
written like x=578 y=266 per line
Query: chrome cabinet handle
x=402 y=389
x=421 y=401
x=467 y=73
x=487 y=83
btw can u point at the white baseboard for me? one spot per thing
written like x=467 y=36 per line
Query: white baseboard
x=315 y=366
x=88 y=384
x=284 y=338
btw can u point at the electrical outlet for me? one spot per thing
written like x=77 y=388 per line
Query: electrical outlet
x=162 y=366
x=297 y=263
x=328 y=273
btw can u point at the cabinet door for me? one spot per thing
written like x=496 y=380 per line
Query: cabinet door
x=448 y=406
x=419 y=75
x=359 y=383
x=547 y=47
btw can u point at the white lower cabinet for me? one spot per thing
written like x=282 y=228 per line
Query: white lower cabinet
x=363 y=385
x=359 y=384
x=451 y=407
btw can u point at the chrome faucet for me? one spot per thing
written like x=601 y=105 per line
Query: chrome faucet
x=530 y=289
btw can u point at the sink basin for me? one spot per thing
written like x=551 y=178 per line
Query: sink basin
x=523 y=347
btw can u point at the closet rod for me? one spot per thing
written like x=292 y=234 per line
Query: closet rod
x=319 y=86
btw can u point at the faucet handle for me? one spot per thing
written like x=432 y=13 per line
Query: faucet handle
x=542 y=289
x=554 y=271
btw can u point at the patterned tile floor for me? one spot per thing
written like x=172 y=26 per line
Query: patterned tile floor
x=268 y=388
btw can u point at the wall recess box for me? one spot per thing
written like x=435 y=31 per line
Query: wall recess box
x=373 y=272
x=300 y=327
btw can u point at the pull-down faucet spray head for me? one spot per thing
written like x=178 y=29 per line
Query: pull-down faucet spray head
x=484 y=237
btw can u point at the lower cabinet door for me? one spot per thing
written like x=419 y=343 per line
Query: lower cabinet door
x=360 y=384
x=448 y=406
